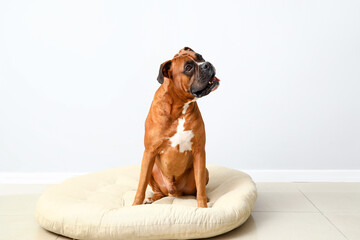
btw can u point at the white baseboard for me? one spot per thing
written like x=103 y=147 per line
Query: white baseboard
x=257 y=175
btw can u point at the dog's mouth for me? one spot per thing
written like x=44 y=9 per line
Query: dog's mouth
x=212 y=85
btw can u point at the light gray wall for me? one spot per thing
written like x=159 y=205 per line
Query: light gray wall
x=77 y=79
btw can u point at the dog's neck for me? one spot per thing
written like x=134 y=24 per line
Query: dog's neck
x=179 y=104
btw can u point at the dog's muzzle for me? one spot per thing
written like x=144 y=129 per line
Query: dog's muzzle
x=205 y=80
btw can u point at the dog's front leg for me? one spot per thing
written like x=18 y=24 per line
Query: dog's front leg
x=147 y=165
x=200 y=177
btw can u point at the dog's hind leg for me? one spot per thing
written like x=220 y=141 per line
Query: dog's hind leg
x=158 y=194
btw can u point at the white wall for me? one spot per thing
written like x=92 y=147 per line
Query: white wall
x=77 y=79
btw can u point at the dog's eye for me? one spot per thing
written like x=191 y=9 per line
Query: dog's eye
x=188 y=68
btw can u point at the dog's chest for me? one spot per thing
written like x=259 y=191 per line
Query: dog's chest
x=182 y=137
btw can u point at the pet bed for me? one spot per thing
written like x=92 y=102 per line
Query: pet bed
x=98 y=206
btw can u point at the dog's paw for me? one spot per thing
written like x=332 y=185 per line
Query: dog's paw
x=147 y=201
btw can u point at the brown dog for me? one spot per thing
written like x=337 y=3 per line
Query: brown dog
x=174 y=158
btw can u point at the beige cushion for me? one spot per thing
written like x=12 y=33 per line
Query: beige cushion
x=98 y=206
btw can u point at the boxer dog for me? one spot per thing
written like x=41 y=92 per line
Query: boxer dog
x=173 y=163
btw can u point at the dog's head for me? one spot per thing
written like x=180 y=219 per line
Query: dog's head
x=190 y=73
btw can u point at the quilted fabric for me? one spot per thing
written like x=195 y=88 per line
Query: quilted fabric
x=98 y=206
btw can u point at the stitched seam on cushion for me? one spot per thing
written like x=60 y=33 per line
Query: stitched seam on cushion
x=150 y=224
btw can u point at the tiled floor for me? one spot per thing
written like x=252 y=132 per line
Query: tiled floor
x=288 y=211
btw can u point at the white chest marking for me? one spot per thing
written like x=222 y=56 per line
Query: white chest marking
x=181 y=137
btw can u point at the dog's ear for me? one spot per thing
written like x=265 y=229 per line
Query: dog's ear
x=188 y=49
x=164 y=71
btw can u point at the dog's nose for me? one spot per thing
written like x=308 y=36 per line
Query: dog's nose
x=206 y=65
x=207 y=68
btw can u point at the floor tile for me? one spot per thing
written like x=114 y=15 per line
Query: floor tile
x=333 y=197
x=283 y=197
x=347 y=223
x=329 y=187
x=284 y=226
x=18 y=204
x=23 y=228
